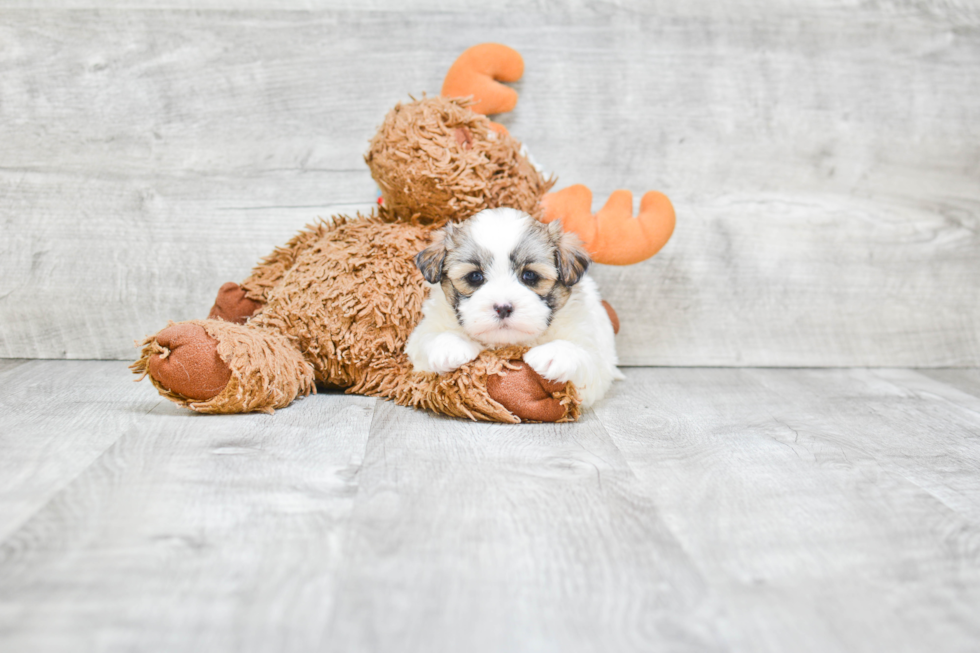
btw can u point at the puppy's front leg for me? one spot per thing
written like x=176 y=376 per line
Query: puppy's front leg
x=558 y=360
x=448 y=351
x=444 y=352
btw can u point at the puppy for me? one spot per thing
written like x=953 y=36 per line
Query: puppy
x=507 y=279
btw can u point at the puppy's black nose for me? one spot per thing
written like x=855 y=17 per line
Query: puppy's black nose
x=503 y=310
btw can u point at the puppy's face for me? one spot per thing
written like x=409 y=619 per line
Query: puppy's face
x=504 y=273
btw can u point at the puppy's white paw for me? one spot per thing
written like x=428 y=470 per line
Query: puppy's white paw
x=556 y=361
x=448 y=351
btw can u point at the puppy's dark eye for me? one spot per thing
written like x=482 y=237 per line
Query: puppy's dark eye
x=530 y=277
x=474 y=278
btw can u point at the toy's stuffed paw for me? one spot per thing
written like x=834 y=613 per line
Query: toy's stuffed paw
x=556 y=361
x=189 y=365
x=448 y=351
x=232 y=305
x=523 y=392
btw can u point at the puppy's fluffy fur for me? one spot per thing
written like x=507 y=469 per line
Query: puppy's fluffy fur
x=508 y=279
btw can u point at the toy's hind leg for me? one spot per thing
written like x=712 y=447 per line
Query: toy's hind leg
x=216 y=367
x=496 y=387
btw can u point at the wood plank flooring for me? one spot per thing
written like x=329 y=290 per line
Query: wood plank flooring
x=694 y=509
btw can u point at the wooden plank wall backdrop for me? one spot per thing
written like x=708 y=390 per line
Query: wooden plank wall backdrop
x=824 y=160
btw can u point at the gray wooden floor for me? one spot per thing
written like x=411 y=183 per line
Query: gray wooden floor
x=695 y=509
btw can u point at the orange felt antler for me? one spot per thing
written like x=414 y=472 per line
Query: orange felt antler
x=478 y=73
x=613 y=236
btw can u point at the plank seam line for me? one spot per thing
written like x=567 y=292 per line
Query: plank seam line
x=62 y=488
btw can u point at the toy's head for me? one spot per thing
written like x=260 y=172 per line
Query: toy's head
x=440 y=160
x=436 y=160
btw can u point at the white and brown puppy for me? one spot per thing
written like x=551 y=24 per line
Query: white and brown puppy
x=508 y=279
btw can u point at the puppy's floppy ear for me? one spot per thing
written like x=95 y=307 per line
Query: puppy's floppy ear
x=429 y=261
x=571 y=259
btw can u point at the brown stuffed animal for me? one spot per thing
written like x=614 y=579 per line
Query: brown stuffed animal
x=336 y=305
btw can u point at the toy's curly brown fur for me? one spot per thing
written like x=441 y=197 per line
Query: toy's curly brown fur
x=429 y=175
x=340 y=299
x=337 y=303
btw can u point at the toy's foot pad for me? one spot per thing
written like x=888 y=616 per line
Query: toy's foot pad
x=189 y=365
x=232 y=305
x=527 y=394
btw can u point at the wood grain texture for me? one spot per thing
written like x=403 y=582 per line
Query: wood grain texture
x=837 y=503
x=963 y=11
x=182 y=532
x=823 y=161
x=695 y=509
x=487 y=537
x=966 y=380
x=54 y=425
x=7 y=364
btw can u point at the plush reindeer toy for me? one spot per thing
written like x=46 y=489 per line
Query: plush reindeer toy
x=336 y=305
